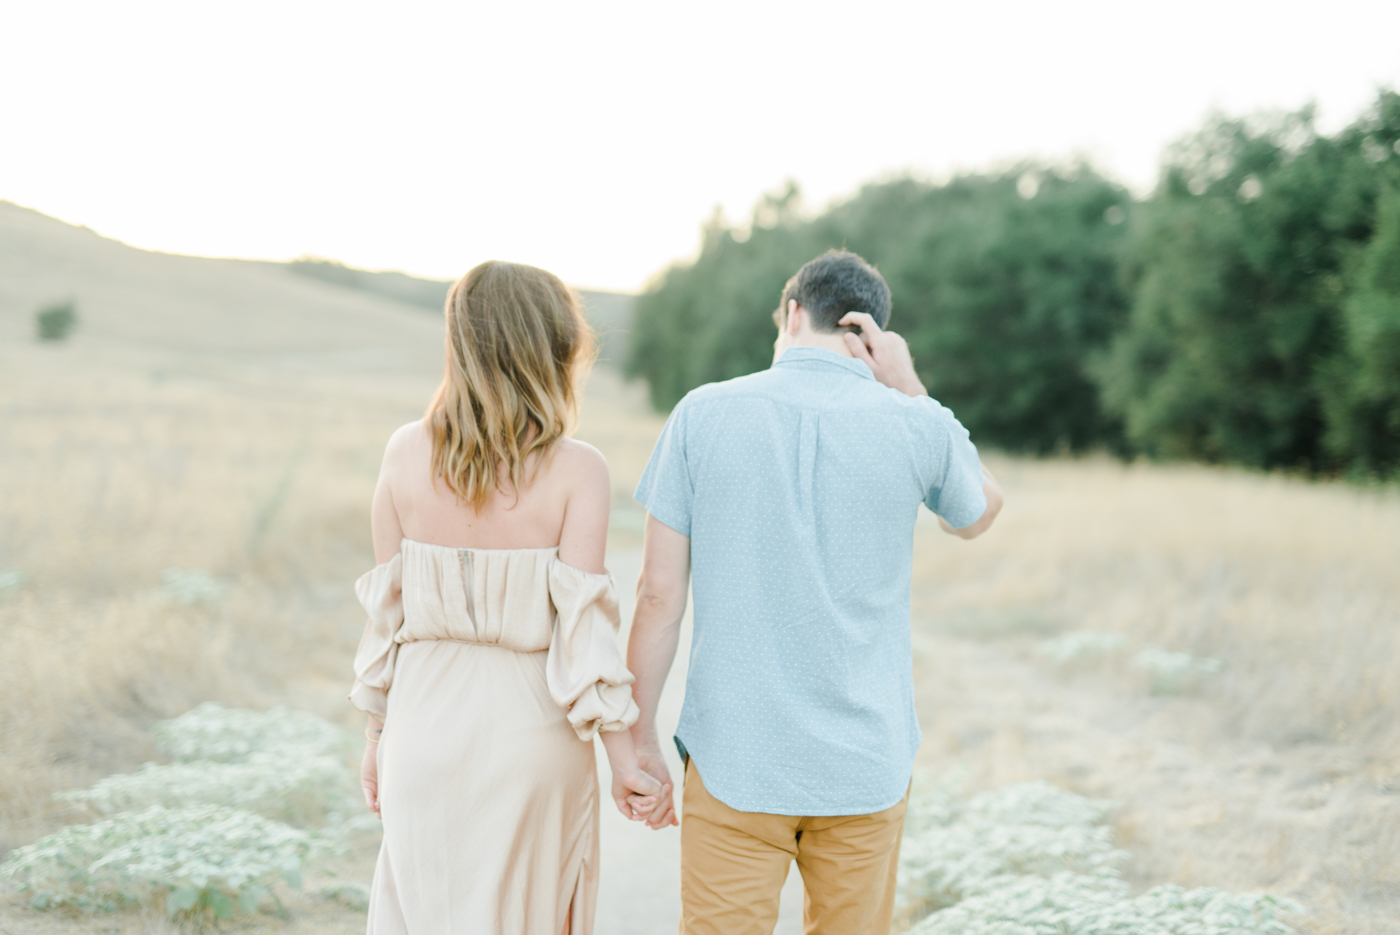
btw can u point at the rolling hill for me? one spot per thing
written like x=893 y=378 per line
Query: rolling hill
x=220 y=312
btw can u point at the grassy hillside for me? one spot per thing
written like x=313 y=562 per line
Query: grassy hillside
x=204 y=311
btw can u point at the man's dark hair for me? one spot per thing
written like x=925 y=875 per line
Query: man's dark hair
x=835 y=283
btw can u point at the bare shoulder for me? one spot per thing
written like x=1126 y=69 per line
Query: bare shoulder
x=581 y=473
x=408 y=436
x=581 y=467
x=409 y=444
x=581 y=460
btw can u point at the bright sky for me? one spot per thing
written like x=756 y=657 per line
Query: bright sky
x=593 y=139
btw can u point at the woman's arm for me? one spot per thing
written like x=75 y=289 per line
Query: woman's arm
x=386 y=532
x=583 y=543
x=385 y=526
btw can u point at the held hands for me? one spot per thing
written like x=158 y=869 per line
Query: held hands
x=649 y=758
x=885 y=352
x=638 y=788
x=638 y=794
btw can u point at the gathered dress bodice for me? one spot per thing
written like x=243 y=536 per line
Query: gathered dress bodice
x=524 y=600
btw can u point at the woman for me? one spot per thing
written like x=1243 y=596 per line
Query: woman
x=490 y=659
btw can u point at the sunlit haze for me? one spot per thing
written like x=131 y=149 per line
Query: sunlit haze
x=594 y=139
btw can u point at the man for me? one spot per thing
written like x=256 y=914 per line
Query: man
x=792 y=494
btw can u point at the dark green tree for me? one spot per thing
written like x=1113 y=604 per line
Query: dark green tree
x=1003 y=285
x=712 y=319
x=1247 y=312
x=1239 y=267
x=1361 y=386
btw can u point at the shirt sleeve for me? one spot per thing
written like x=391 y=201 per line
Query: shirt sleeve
x=665 y=488
x=954 y=469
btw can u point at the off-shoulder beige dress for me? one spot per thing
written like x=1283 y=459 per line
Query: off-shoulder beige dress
x=492 y=669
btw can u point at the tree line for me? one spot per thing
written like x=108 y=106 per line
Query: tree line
x=1246 y=312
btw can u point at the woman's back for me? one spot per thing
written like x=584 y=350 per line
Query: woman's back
x=564 y=503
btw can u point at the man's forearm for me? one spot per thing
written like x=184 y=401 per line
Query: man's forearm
x=651 y=649
x=656 y=623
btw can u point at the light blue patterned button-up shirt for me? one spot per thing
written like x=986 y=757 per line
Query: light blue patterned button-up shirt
x=798 y=487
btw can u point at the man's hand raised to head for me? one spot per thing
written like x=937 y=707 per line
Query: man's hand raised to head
x=885 y=352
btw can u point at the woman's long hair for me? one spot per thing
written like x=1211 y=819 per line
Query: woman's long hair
x=517 y=343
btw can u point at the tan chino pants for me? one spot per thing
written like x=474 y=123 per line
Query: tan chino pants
x=733 y=865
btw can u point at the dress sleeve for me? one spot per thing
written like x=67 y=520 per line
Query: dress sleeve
x=381 y=593
x=585 y=671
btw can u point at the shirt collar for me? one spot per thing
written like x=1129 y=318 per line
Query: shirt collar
x=805 y=357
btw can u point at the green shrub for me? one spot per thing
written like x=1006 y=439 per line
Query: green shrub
x=192 y=586
x=53 y=322
x=1082 y=647
x=310 y=791
x=233 y=735
x=1173 y=673
x=1067 y=904
x=203 y=835
x=350 y=895
x=200 y=859
x=1032 y=859
x=954 y=849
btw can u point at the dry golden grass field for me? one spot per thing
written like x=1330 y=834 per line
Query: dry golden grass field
x=229 y=417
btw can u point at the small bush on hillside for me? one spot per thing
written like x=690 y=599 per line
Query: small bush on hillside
x=350 y=895
x=54 y=322
x=200 y=859
x=232 y=735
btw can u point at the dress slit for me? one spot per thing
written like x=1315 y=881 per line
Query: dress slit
x=578 y=902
